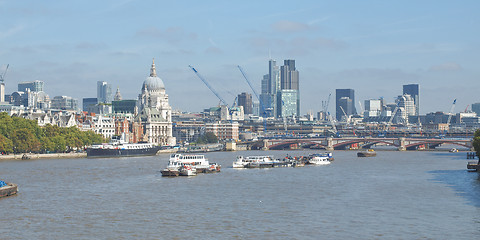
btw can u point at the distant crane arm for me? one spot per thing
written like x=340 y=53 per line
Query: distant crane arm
x=208 y=85
x=253 y=89
x=2 y=77
x=451 y=111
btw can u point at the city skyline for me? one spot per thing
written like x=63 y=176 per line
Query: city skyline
x=372 y=47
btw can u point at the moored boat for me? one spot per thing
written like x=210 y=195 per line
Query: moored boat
x=7 y=189
x=320 y=159
x=167 y=172
x=254 y=162
x=187 y=170
x=368 y=153
x=119 y=148
x=198 y=162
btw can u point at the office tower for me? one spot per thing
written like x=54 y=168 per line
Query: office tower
x=64 y=103
x=476 y=108
x=88 y=103
x=287 y=103
x=35 y=86
x=373 y=108
x=347 y=105
x=270 y=86
x=413 y=91
x=289 y=79
x=104 y=92
x=406 y=103
x=245 y=100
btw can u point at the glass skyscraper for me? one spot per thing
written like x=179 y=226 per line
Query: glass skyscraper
x=413 y=91
x=346 y=99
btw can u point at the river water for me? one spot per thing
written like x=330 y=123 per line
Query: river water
x=396 y=195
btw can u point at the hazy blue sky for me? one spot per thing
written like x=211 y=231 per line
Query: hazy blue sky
x=373 y=47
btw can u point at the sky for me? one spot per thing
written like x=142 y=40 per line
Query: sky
x=373 y=47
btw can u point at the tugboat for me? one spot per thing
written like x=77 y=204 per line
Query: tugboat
x=7 y=189
x=368 y=153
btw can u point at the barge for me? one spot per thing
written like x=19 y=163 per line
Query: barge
x=8 y=189
x=368 y=153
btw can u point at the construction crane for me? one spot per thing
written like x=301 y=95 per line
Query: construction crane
x=361 y=107
x=325 y=109
x=263 y=110
x=330 y=119
x=262 y=106
x=2 y=76
x=208 y=85
x=347 y=118
x=393 y=115
x=451 y=111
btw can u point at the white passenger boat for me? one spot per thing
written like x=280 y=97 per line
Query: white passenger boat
x=320 y=159
x=243 y=162
x=198 y=161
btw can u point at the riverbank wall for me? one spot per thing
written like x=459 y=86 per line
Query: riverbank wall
x=42 y=156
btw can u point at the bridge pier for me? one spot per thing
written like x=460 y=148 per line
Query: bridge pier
x=401 y=143
x=330 y=144
x=265 y=144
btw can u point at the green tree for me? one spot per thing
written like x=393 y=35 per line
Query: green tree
x=24 y=141
x=476 y=142
x=6 y=145
x=47 y=145
x=208 y=137
x=59 y=144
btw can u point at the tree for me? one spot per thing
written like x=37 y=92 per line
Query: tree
x=24 y=141
x=476 y=142
x=208 y=137
x=6 y=145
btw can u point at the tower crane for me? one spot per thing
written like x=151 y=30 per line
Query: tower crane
x=208 y=85
x=263 y=110
x=325 y=110
x=2 y=76
x=393 y=114
x=347 y=118
x=262 y=106
x=451 y=111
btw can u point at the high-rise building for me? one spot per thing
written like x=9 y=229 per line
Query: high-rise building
x=476 y=108
x=245 y=100
x=287 y=103
x=64 y=103
x=347 y=105
x=104 y=92
x=88 y=103
x=270 y=86
x=413 y=91
x=289 y=79
x=373 y=108
x=35 y=86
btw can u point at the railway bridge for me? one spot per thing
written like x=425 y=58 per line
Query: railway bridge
x=330 y=143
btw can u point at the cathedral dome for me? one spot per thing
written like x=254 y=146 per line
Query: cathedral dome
x=153 y=83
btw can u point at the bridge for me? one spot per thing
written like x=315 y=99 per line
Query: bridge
x=330 y=143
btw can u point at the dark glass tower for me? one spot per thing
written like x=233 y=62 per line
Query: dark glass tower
x=346 y=99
